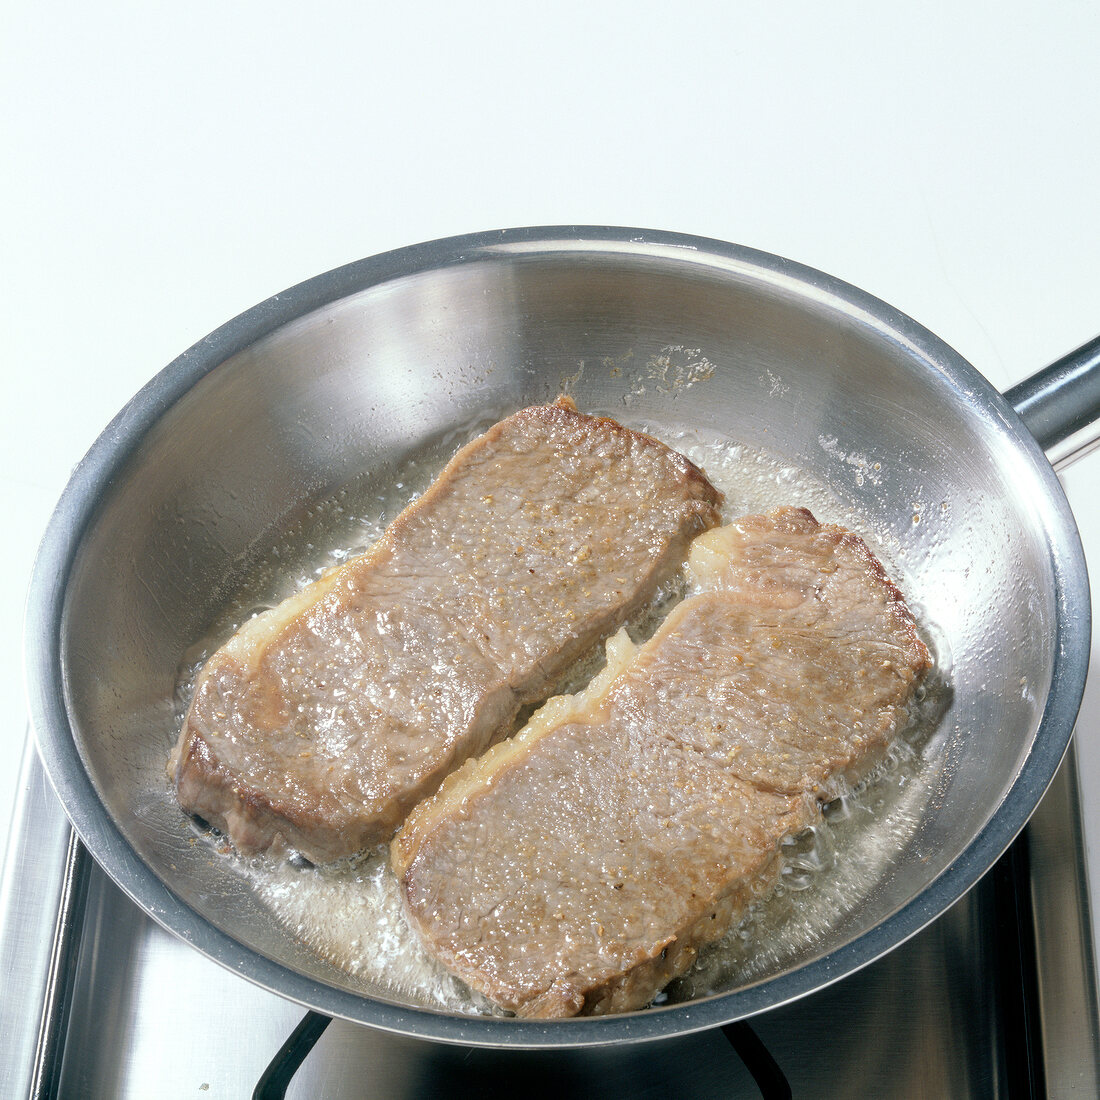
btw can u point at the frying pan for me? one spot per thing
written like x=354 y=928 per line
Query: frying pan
x=348 y=379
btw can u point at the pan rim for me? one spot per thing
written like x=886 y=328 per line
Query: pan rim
x=57 y=747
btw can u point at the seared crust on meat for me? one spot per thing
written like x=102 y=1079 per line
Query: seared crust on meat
x=322 y=722
x=580 y=866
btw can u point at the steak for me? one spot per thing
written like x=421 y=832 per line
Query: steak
x=578 y=867
x=320 y=724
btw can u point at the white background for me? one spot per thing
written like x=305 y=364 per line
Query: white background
x=168 y=166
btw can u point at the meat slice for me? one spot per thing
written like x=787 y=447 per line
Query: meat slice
x=580 y=866
x=322 y=722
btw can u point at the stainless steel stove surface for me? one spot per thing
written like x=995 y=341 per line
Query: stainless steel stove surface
x=997 y=998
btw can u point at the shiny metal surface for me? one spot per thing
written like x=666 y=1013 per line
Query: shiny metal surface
x=1065 y=955
x=32 y=891
x=1061 y=399
x=359 y=369
x=148 y=1015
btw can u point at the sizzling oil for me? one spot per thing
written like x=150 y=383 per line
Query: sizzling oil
x=349 y=912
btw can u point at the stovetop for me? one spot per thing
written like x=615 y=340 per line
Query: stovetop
x=996 y=998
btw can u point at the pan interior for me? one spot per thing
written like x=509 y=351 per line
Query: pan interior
x=364 y=397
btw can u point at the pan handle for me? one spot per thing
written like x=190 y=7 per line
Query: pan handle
x=1060 y=405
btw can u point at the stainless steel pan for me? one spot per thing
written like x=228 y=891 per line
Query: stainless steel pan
x=363 y=368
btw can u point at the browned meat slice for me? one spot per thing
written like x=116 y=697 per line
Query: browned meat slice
x=580 y=866
x=321 y=723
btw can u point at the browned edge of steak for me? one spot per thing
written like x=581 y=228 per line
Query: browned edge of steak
x=636 y=985
x=257 y=820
